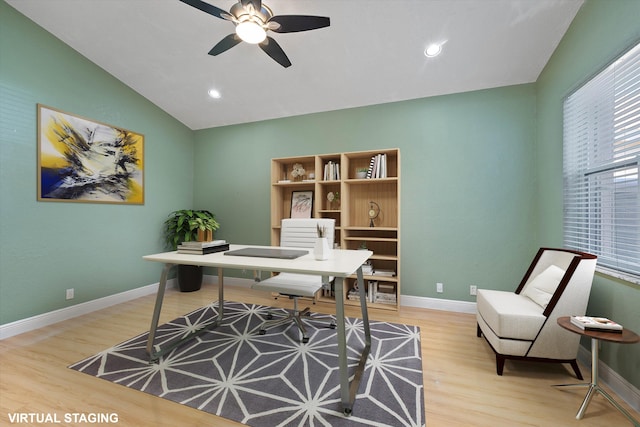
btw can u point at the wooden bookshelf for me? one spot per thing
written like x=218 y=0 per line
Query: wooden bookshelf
x=353 y=229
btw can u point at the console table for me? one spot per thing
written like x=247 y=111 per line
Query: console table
x=626 y=337
x=341 y=265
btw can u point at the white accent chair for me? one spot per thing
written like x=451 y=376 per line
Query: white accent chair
x=297 y=233
x=522 y=325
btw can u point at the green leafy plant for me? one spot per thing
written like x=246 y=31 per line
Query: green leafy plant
x=183 y=225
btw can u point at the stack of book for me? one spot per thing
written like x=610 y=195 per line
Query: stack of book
x=331 y=171
x=385 y=294
x=382 y=272
x=378 y=166
x=589 y=323
x=382 y=293
x=203 y=248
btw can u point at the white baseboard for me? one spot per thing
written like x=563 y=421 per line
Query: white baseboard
x=619 y=385
x=29 y=324
x=438 y=304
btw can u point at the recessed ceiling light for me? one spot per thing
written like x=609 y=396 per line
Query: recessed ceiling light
x=433 y=50
x=214 y=94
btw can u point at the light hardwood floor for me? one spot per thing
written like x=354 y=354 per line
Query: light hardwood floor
x=461 y=387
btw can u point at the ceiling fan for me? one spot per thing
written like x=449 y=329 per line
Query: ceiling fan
x=253 y=19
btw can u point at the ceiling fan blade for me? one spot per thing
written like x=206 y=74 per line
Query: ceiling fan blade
x=225 y=44
x=273 y=49
x=207 y=8
x=295 y=23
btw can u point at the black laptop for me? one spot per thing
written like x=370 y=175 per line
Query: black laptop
x=268 y=253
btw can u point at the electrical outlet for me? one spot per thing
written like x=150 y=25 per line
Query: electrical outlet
x=439 y=288
x=70 y=293
x=473 y=290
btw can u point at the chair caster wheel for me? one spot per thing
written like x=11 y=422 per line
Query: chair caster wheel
x=305 y=340
x=269 y=316
x=347 y=411
x=262 y=331
x=332 y=326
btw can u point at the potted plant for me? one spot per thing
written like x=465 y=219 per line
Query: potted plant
x=361 y=173
x=184 y=226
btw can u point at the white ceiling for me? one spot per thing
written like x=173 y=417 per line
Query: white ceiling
x=371 y=54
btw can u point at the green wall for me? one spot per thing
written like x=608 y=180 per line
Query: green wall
x=467 y=214
x=48 y=247
x=602 y=31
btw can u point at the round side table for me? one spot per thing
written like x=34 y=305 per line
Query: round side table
x=626 y=337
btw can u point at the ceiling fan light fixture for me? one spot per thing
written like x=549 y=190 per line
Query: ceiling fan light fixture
x=433 y=50
x=251 y=32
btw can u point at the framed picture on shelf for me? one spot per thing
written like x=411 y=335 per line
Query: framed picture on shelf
x=83 y=160
x=301 y=204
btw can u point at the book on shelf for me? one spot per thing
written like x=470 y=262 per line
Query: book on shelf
x=382 y=272
x=331 y=171
x=199 y=245
x=382 y=293
x=377 y=166
x=367 y=269
x=590 y=323
x=202 y=251
x=328 y=290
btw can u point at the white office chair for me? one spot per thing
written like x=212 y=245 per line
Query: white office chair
x=297 y=233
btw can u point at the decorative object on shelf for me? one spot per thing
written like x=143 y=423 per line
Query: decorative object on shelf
x=183 y=226
x=361 y=173
x=374 y=211
x=298 y=172
x=301 y=204
x=333 y=197
x=81 y=160
x=321 y=249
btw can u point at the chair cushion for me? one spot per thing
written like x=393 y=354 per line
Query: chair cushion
x=510 y=315
x=541 y=288
x=304 y=285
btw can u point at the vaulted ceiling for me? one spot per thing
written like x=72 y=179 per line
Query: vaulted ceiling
x=372 y=53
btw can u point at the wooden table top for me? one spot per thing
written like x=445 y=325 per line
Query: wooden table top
x=626 y=337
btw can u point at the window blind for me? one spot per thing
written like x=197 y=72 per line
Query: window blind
x=601 y=159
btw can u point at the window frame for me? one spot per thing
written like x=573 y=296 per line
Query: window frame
x=601 y=167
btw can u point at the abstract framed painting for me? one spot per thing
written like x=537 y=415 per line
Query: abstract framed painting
x=301 y=204
x=81 y=160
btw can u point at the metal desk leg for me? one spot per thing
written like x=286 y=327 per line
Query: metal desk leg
x=155 y=355
x=156 y=311
x=220 y=296
x=348 y=391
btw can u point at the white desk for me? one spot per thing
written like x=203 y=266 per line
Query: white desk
x=342 y=264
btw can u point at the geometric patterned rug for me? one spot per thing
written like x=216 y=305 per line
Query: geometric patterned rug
x=273 y=379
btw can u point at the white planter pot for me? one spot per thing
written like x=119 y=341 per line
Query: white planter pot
x=321 y=250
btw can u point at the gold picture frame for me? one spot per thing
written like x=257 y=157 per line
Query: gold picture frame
x=82 y=160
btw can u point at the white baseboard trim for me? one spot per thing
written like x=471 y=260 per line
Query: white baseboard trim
x=619 y=385
x=29 y=324
x=438 y=304
x=40 y=321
